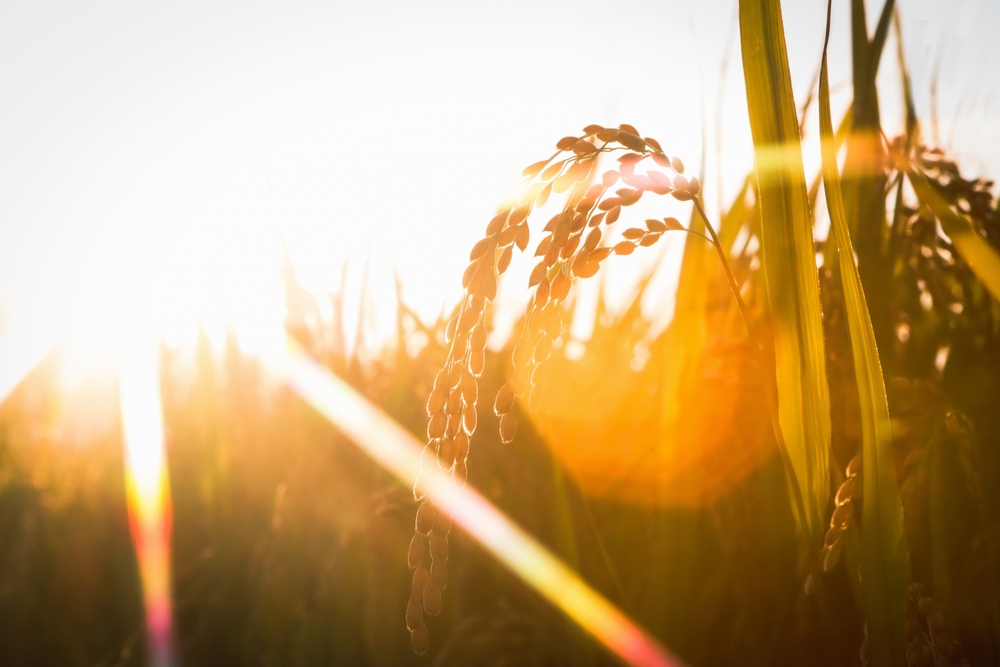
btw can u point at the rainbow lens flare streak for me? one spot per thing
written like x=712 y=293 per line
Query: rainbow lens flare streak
x=397 y=450
x=383 y=439
x=147 y=489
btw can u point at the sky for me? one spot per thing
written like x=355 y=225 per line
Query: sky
x=154 y=158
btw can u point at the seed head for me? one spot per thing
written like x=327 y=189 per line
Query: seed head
x=439 y=573
x=461 y=473
x=425 y=517
x=831 y=555
x=432 y=599
x=415 y=554
x=560 y=287
x=420 y=578
x=845 y=492
x=477 y=362
x=854 y=467
x=469 y=418
x=436 y=425
x=508 y=427
x=442 y=524
x=414 y=615
x=418 y=639
x=566 y=250
x=842 y=515
x=504 y=401
x=461 y=446
x=439 y=547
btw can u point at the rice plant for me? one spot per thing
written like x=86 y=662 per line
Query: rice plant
x=793 y=361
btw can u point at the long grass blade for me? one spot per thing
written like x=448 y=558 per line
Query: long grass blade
x=735 y=218
x=885 y=555
x=878 y=39
x=912 y=125
x=864 y=179
x=788 y=257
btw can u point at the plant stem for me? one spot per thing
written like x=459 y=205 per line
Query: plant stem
x=765 y=368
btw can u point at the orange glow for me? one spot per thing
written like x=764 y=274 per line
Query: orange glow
x=603 y=422
x=398 y=451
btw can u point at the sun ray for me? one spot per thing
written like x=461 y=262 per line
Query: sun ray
x=399 y=452
x=147 y=488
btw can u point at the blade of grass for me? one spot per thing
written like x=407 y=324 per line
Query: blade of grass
x=859 y=47
x=788 y=258
x=866 y=57
x=912 y=125
x=885 y=556
x=878 y=39
x=864 y=179
x=735 y=219
x=935 y=80
x=912 y=138
x=829 y=247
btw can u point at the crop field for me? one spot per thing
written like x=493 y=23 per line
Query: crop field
x=799 y=466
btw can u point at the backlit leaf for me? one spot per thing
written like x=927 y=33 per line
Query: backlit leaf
x=788 y=260
x=885 y=555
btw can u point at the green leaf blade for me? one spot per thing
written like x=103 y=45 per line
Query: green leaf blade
x=788 y=258
x=885 y=555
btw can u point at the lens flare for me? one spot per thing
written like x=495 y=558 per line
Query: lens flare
x=388 y=443
x=147 y=489
x=398 y=451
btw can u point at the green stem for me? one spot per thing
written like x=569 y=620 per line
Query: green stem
x=765 y=368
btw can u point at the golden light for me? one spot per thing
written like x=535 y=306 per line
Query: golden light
x=393 y=447
x=147 y=487
x=399 y=452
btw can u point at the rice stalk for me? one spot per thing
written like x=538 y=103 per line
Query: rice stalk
x=576 y=241
x=574 y=246
x=885 y=553
x=864 y=179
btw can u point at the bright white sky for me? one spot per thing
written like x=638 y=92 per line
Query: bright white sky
x=153 y=155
